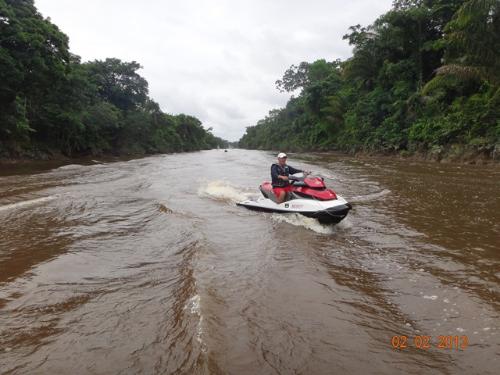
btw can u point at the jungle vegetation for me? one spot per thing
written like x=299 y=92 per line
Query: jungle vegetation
x=424 y=77
x=52 y=103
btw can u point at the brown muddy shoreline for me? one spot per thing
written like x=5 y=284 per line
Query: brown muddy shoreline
x=453 y=154
x=448 y=158
x=22 y=165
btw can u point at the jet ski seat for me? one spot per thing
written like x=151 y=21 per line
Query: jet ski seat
x=267 y=191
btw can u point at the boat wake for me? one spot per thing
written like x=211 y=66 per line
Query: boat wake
x=303 y=221
x=370 y=197
x=26 y=203
x=223 y=191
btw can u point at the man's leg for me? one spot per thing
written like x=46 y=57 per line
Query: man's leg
x=281 y=196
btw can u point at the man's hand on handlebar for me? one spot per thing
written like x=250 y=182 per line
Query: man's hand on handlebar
x=293 y=178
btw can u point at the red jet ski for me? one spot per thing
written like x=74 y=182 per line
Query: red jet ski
x=309 y=197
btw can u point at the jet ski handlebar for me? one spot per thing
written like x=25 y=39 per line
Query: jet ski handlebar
x=305 y=175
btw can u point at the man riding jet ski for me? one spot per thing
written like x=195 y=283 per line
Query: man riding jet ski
x=280 y=176
x=290 y=194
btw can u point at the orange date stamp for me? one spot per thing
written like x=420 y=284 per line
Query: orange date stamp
x=427 y=342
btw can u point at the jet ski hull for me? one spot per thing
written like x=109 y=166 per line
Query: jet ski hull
x=332 y=215
x=331 y=212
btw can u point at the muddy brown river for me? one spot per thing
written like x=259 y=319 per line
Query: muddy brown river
x=147 y=266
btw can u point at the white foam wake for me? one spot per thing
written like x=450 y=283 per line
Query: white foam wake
x=223 y=190
x=193 y=305
x=370 y=197
x=30 y=202
x=303 y=221
x=70 y=166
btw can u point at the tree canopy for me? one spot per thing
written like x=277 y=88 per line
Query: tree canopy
x=422 y=77
x=50 y=102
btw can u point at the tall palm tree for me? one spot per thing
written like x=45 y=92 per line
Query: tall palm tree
x=473 y=36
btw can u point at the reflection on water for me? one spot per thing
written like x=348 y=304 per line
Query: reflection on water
x=147 y=266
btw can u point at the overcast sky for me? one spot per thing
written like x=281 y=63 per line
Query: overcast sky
x=214 y=59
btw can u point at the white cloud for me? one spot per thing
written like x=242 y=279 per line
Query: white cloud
x=217 y=60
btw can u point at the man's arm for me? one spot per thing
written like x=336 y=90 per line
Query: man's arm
x=293 y=170
x=275 y=174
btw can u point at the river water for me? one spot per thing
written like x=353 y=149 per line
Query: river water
x=148 y=266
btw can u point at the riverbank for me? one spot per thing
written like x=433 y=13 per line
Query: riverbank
x=443 y=154
x=23 y=165
x=458 y=154
x=455 y=154
x=49 y=160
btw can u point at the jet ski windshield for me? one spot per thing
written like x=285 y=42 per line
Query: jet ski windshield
x=296 y=181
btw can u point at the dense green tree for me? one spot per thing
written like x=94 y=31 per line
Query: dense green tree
x=52 y=103
x=34 y=58
x=473 y=41
x=423 y=76
x=119 y=83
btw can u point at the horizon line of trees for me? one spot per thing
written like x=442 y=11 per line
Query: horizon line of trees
x=51 y=102
x=424 y=76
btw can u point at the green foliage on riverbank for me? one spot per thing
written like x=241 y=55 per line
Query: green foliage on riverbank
x=423 y=77
x=50 y=102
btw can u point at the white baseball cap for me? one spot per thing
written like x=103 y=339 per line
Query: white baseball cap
x=281 y=155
